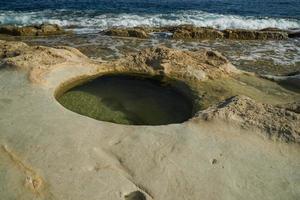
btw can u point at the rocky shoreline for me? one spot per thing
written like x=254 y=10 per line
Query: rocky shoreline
x=190 y=32
x=33 y=30
x=245 y=133
x=180 y=32
x=193 y=68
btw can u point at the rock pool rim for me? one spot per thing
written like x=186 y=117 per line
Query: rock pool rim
x=164 y=82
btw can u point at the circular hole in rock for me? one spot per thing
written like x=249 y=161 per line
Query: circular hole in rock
x=131 y=99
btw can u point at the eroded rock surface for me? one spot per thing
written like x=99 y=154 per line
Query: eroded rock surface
x=294 y=107
x=37 y=59
x=289 y=80
x=48 y=152
x=32 y=30
x=190 y=32
x=240 y=34
x=184 y=65
x=194 y=33
x=277 y=123
x=138 y=32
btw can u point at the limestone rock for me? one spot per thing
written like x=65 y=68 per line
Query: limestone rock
x=34 y=30
x=190 y=32
x=48 y=152
x=184 y=65
x=128 y=32
x=294 y=107
x=277 y=123
x=240 y=34
x=37 y=59
x=195 y=33
x=292 y=80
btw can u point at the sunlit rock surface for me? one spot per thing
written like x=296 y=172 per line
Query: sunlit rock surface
x=238 y=149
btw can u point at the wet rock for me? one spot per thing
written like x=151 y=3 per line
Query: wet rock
x=18 y=31
x=241 y=34
x=35 y=30
x=294 y=107
x=194 y=33
x=292 y=80
x=128 y=32
x=294 y=34
x=272 y=29
x=190 y=32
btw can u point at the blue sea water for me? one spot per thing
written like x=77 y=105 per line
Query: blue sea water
x=89 y=15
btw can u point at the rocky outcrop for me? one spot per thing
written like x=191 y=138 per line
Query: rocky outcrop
x=277 y=123
x=294 y=107
x=184 y=65
x=48 y=152
x=240 y=34
x=294 y=34
x=37 y=59
x=35 y=30
x=190 y=32
x=194 y=33
x=291 y=80
x=137 y=32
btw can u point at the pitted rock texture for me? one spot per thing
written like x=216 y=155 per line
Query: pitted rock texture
x=184 y=65
x=277 y=123
x=50 y=153
x=294 y=107
x=37 y=59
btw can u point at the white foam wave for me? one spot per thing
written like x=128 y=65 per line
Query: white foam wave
x=104 y=21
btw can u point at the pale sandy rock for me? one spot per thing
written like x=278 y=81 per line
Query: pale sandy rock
x=277 y=123
x=37 y=59
x=184 y=65
x=50 y=153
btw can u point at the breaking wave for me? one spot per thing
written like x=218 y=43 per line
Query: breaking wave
x=91 y=21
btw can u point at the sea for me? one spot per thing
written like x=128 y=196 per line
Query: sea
x=94 y=15
x=88 y=17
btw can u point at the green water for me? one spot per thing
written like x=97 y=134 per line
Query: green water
x=129 y=100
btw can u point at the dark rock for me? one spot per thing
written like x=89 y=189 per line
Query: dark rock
x=190 y=32
x=34 y=30
x=272 y=29
x=240 y=34
x=294 y=107
x=195 y=33
x=294 y=34
x=128 y=32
